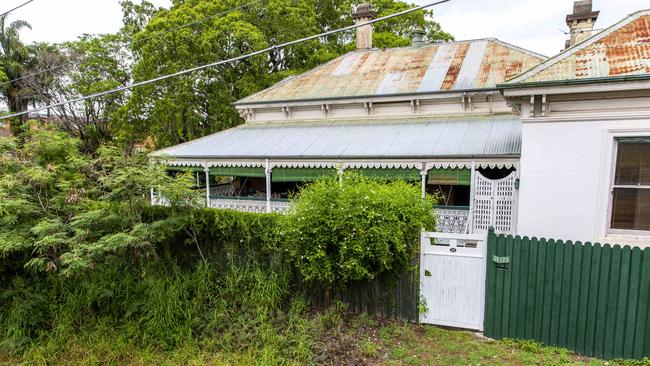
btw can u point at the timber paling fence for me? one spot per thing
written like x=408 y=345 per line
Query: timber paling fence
x=591 y=298
x=385 y=296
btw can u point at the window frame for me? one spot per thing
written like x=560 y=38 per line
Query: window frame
x=613 y=185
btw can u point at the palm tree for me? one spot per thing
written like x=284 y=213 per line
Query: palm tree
x=14 y=60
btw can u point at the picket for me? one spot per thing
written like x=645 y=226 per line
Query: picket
x=591 y=298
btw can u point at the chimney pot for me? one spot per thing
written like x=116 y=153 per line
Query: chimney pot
x=581 y=22
x=364 y=13
x=417 y=38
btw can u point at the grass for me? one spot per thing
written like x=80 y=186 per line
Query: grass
x=328 y=339
x=396 y=343
x=240 y=316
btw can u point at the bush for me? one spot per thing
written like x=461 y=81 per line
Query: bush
x=355 y=229
x=85 y=260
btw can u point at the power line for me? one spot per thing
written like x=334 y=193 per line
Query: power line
x=16 y=8
x=57 y=67
x=199 y=21
x=222 y=62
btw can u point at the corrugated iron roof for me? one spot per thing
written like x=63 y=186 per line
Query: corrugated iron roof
x=452 y=66
x=445 y=137
x=620 y=50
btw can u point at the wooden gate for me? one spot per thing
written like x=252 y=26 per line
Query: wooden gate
x=452 y=279
x=494 y=203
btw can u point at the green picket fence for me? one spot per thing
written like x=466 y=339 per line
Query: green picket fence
x=590 y=298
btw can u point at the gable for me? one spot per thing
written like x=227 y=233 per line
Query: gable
x=621 y=50
x=440 y=67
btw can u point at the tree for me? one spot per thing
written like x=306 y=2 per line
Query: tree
x=89 y=65
x=62 y=210
x=191 y=106
x=14 y=57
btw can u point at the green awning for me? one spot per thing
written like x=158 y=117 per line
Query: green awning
x=454 y=177
x=300 y=174
x=238 y=171
x=186 y=168
x=387 y=173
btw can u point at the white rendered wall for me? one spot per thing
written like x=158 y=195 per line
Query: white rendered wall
x=565 y=179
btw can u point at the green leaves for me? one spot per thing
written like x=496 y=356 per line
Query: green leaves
x=192 y=106
x=355 y=229
x=63 y=211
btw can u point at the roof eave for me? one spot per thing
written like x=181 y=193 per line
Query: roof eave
x=601 y=80
x=415 y=157
x=366 y=96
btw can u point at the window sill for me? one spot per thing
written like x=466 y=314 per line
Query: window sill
x=634 y=240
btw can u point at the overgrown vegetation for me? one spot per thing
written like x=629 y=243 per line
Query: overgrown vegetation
x=61 y=210
x=84 y=258
x=356 y=228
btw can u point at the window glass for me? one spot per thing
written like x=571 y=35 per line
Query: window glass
x=631 y=190
x=633 y=163
x=631 y=209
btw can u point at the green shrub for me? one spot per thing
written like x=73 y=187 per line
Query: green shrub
x=85 y=259
x=355 y=229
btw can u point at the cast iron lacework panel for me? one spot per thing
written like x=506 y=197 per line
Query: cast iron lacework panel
x=452 y=220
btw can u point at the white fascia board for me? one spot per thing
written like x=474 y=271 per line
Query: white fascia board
x=364 y=99
x=578 y=89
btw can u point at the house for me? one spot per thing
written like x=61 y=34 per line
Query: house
x=553 y=147
x=585 y=113
x=430 y=113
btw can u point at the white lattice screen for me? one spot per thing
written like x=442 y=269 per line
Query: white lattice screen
x=494 y=203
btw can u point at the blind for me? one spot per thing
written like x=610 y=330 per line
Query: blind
x=387 y=173
x=452 y=177
x=631 y=209
x=300 y=174
x=254 y=172
x=633 y=162
x=186 y=168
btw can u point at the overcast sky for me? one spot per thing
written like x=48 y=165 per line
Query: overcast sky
x=533 y=24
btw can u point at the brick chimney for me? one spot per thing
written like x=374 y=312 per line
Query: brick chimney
x=581 y=22
x=363 y=13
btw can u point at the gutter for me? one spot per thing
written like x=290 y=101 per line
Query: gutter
x=568 y=82
x=367 y=96
x=343 y=158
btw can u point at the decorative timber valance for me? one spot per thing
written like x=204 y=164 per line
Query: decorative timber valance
x=345 y=165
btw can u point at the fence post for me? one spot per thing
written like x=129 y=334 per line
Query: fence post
x=488 y=319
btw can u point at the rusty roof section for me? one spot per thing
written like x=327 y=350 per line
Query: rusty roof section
x=439 y=67
x=620 y=50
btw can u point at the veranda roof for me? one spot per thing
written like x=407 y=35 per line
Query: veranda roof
x=445 y=137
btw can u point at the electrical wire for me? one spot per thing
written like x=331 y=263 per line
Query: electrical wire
x=57 y=67
x=222 y=62
x=16 y=8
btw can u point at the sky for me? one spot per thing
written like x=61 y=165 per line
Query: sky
x=536 y=25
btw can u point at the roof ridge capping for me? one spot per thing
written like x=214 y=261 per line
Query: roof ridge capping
x=564 y=54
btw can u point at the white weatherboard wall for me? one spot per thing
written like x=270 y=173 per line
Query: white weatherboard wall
x=565 y=178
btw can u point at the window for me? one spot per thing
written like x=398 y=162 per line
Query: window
x=631 y=189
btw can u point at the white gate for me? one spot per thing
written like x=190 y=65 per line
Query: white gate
x=452 y=279
x=494 y=203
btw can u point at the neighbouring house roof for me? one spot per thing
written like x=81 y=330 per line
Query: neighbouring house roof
x=622 y=50
x=444 y=137
x=438 y=67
